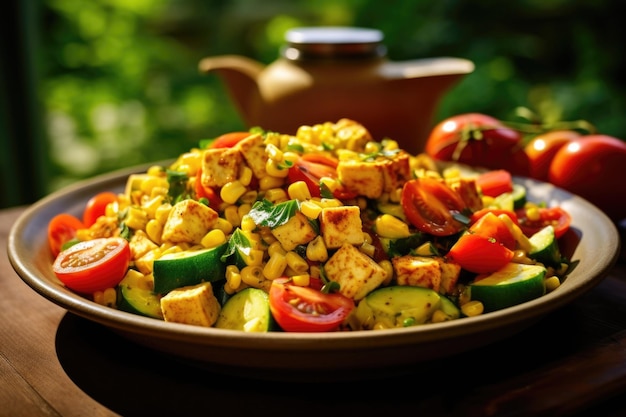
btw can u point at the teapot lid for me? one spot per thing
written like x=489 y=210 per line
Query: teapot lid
x=333 y=42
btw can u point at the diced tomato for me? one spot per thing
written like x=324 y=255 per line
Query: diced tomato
x=207 y=192
x=311 y=169
x=61 y=229
x=93 y=265
x=430 y=205
x=494 y=183
x=479 y=254
x=304 y=309
x=228 y=140
x=491 y=226
x=556 y=216
x=96 y=207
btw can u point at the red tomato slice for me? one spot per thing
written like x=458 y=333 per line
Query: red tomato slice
x=480 y=213
x=479 y=254
x=93 y=265
x=311 y=169
x=304 y=309
x=556 y=216
x=228 y=140
x=492 y=227
x=494 y=183
x=61 y=229
x=96 y=207
x=430 y=205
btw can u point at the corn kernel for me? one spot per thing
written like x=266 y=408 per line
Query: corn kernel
x=247 y=223
x=299 y=191
x=231 y=191
x=302 y=280
x=387 y=266
x=276 y=195
x=136 y=218
x=276 y=247
x=252 y=276
x=552 y=283
x=310 y=209
x=316 y=250
x=213 y=238
x=231 y=213
x=223 y=225
x=296 y=262
x=245 y=175
x=275 y=266
x=273 y=152
x=472 y=308
x=154 y=229
x=270 y=181
x=391 y=227
x=439 y=317
x=162 y=212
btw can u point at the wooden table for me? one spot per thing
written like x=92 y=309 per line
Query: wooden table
x=53 y=363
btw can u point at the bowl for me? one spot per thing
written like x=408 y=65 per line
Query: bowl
x=592 y=239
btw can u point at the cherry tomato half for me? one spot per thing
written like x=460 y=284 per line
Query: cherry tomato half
x=207 y=192
x=493 y=227
x=430 y=206
x=478 y=140
x=304 y=309
x=312 y=169
x=228 y=140
x=541 y=150
x=96 y=207
x=593 y=167
x=61 y=229
x=556 y=216
x=496 y=182
x=479 y=254
x=93 y=265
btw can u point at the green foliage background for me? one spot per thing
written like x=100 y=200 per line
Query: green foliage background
x=120 y=84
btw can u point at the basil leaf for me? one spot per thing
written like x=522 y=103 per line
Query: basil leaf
x=265 y=213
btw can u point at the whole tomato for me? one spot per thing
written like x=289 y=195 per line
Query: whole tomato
x=479 y=140
x=593 y=167
x=542 y=148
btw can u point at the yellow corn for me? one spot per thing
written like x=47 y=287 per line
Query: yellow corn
x=316 y=250
x=151 y=206
x=439 y=316
x=162 y=212
x=253 y=276
x=472 y=308
x=532 y=213
x=154 y=228
x=368 y=249
x=270 y=181
x=296 y=262
x=136 y=218
x=231 y=191
x=231 y=213
x=233 y=277
x=213 y=238
x=107 y=298
x=299 y=191
x=247 y=223
x=302 y=280
x=275 y=266
x=273 y=153
x=276 y=195
x=245 y=175
x=391 y=227
x=310 y=209
x=276 y=247
x=552 y=283
x=223 y=225
x=388 y=268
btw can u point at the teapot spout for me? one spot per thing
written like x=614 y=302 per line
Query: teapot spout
x=240 y=75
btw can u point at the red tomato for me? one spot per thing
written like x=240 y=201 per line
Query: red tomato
x=593 y=167
x=207 y=192
x=556 y=216
x=304 y=309
x=61 y=229
x=228 y=140
x=93 y=265
x=430 y=205
x=491 y=226
x=479 y=254
x=541 y=150
x=311 y=169
x=96 y=207
x=478 y=140
x=496 y=182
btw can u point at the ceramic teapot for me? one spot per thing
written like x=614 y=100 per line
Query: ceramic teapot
x=328 y=73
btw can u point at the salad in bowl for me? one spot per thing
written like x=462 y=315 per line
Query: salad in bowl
x=325 y=230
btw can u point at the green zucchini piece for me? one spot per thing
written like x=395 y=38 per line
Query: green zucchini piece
x=545 y=248
x=247 y=310
x=136 y=296
x=511 y=285
x=187 y=268
x=519 y=196
x=400 y=306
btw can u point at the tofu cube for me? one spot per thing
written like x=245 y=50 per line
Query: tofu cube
x=297 y=231
x=195 y=305
x=253 y=150
x=220 y=166
x=140 y=244
x=339 y=225
x=188 y=221
x=426 y=271
x=364 y=178
x=356 y=273
x=396 y=171
x=417 y=271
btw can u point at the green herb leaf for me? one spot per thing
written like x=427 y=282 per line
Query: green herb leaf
x=265 y=213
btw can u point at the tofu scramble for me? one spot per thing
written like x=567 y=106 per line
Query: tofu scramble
x=324 y=230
